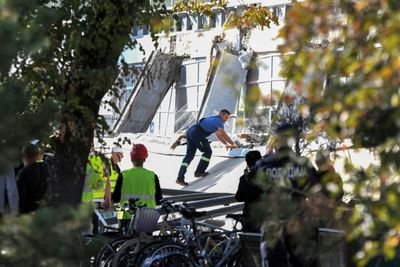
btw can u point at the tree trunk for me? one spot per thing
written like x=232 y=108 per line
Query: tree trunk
x=71 y=155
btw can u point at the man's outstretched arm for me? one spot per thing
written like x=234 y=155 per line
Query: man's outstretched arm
x=224 y=137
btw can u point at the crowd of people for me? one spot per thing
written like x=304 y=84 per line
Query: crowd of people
x=23 y=189
x=282 y=173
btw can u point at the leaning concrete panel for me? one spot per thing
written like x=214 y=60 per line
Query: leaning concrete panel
x=157 y=77
x=224 y=86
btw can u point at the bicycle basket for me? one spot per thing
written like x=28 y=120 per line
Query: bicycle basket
x=145 y=220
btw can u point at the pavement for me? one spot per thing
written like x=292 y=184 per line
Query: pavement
x=224 y=169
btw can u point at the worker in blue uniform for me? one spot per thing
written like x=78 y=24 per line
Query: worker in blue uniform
x=197 y=139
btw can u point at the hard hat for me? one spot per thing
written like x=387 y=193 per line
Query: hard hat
x=116 y=149
x=139 y=151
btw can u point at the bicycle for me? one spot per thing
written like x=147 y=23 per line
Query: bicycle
x=109 y=250
x=194 y=251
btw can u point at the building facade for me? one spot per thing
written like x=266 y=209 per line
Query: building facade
x=194 y=38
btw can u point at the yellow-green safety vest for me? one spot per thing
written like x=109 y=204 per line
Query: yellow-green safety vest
x=138 y=183
x=94 y=178
x=98 y=193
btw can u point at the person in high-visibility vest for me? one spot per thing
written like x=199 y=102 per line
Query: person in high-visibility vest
x=116 y=157
x=137 y=183
x=94 y=180
x=98 y=175
x=99 y=169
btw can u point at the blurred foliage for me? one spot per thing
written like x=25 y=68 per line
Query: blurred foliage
x=47 y=238
x=344 y=57
x=58 y=59
x=251 y=17
x=20 y=119
x=199 y=7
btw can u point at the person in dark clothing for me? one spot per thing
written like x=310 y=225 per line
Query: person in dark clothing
x=31 y=180
x=197 y=139
x=248 y=192
x=287 y=176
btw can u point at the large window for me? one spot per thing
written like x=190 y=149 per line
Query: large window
x=191 y=84
x=264 y=89
x=124 y=86
x=181 y=105
x=190 y=91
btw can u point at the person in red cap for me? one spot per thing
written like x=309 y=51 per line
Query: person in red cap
x=137 y=182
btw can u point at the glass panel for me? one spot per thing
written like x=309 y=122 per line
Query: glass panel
x=191 y=98
x=276 y=64
x=212 y=21
x=191 y=74
x=181 y=96
x=200 y=22
x=182 y=76
x=189 y=24
x=264 y=69
x=277 y=90
x=168 y=102
x=202 y=71
x=265 y=88
x=178 y=24
x=265 y=94
x=278 y=12
x=167 y=124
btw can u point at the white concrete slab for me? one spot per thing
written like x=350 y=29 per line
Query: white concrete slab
x=224 y=171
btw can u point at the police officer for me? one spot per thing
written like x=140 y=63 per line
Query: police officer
x=138 y=182
x=197 y=139
x=284 y=172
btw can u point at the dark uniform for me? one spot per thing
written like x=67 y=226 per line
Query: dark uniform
x=197 y=139
x=286 y=170
x=32 y=186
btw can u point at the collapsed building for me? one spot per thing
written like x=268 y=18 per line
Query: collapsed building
x=199 y=68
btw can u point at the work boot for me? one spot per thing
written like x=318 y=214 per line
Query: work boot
x=201 y=174
x=181 y=182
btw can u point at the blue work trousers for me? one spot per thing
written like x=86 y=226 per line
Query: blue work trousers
x=196 y=139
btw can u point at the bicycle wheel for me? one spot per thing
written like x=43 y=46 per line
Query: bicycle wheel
x=108 y=251
x=173 y=259
x=146 y=249
x=126 y=254
x=159 y=248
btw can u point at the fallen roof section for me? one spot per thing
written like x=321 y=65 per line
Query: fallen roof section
x=153 y=84
x=224 y=85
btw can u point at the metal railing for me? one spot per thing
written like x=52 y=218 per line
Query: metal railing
x=199 y=200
